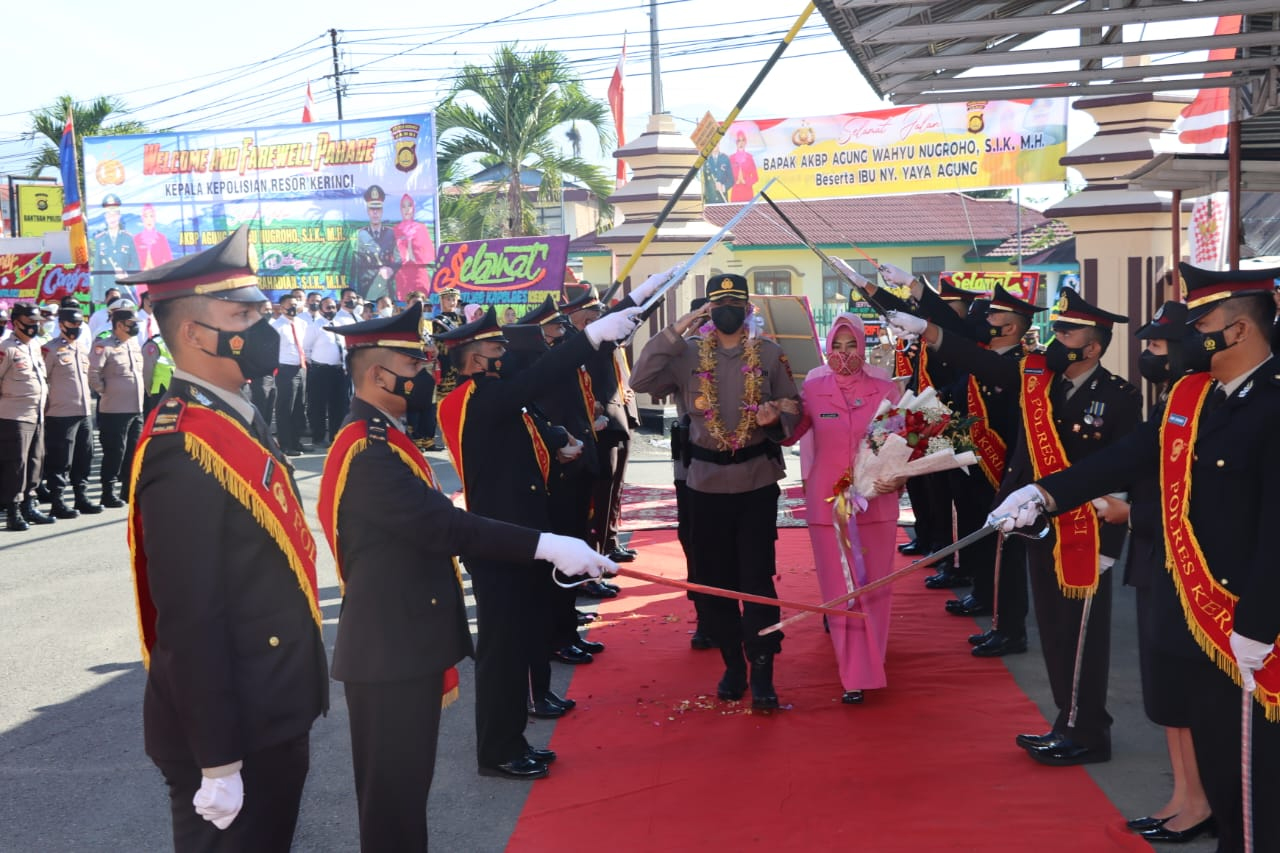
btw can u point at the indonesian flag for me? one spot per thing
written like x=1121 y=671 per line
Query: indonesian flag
x=615 y=106
x=1203 y=123
x=307 y=106
x=72 y=214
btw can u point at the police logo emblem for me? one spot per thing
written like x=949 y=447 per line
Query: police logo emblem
x=405 y=136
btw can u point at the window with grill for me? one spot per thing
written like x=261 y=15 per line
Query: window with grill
x=773 y=283
x=928 y=266
x=835 y=288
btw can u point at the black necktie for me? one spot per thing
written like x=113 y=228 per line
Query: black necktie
x=1216 y=399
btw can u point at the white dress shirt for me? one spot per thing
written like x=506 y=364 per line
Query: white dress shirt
x=324 y=347
x=292 y=331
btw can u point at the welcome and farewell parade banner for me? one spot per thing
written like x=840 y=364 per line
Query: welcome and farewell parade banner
x=933 y=148
x=311 y=188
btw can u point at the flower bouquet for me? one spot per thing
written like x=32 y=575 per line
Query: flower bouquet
x=919 y=435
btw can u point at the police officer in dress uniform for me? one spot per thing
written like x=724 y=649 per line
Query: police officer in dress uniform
x=229 y=611
x=377 y=257
x=505 y=472
x=734 y=469
x=23 y=392
x=1233 y=504
x=68 y=424
x=1092 y=408
x=115 y=374
x=403 y=621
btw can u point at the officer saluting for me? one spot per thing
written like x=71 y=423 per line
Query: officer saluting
x=394 y=535
x=1215 y=453
x=377 y=258
x=224 y=570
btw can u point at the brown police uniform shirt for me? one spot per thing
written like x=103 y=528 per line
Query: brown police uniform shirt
x=23 y=388
x=670 y=360
x=115 y=372
x=66 y=363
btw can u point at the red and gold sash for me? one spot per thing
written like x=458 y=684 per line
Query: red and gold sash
x=223 y=448
x=902 y=365
x=350 y=441
x=588 y=397
x=452 y=417
x=990 y=446
x=1075 y=547
x=1207 y=605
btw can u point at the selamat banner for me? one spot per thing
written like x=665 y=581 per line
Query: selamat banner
x=934 y=148
x=335 y=203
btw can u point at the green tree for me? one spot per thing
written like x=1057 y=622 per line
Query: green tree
x=92 y=118
x=508 y=112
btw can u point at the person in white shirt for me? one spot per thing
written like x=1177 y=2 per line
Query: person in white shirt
x=291 y=377
x=328 y=389
x=100 y=320
x=146 y=321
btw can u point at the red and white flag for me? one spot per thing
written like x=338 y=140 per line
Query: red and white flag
x=308 y=106
x=615 y=106
x=1207 y=232
x=1203 y=123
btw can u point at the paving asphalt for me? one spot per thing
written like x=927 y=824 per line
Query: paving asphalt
x=76 y=777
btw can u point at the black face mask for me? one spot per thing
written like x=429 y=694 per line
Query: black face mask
x=1153 y=368
x=28 y=329
x=418 y=390
x=291 y=311
x=349 y=304
x=1058 y=356
x=1200 y=348
x=256 y=350
x=131 y=329
x=71 y=332
x=494 y=364
x=330 y=313
x=728 y=318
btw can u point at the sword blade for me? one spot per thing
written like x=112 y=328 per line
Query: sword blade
x=1246 y=765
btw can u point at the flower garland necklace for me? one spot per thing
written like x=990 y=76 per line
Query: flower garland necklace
x=708 y=401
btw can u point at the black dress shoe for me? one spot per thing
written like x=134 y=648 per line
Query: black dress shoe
x=700 y=641
x=1068 y=753
x=1163 y=834
x=1037 y=741
x=589 y=646
x=912 y=548
x=946 y=579
x=585 y=618
x=595 y=589
x=542 y=756
x=61 y=510
x=289 y=452
x=523 y=767
x=571 y=654
x=732 y=685
x=544 y=710
x=1000 y=645
x=1140 y=823
x=967 y=606
x=852 y=697
x=555 y=699
x=620 y=556
x=979 y=639
x=628 y=549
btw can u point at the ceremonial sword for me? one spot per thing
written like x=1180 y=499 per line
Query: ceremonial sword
x=1246 y=765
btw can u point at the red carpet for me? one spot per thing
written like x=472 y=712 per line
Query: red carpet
x=654 y=508
x=651 y=760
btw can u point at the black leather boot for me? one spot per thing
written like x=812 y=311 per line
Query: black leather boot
x=16 y=521
x=58 y=509
x=33 y=514
x=109 y=498
x=763 y=696
x=734 y=681
x=83 y=506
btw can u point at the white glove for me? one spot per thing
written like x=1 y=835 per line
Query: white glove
x=573 y=557
x=613 y=326
x=600 y=422
x=1020 y=509
x=1250 y=656
x=570 y=451
x=641 y=292
x=853 y=275
x=907 y=325
x=896 y=275
x=220 y=800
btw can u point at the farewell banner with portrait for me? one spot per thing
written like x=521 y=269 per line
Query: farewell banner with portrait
x=333 y=203
x=933 y=148
x=517 y=273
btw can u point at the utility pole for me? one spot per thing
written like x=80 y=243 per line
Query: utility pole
x=337 y=72
x=655 y=72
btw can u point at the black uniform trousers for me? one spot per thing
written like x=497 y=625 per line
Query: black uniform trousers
x=570 y=511
x=273 y=778
x=1058 y=618
x=394 y=730
x=68 y=454
x=290 y=405
x=973 y=497
x=686 y=545
x=733 y=539
x=506 y=626
x=931 y=503
x=606 y=502
x=328 y=399
x=1011 y=601
x=21 y=457
x=118 y=432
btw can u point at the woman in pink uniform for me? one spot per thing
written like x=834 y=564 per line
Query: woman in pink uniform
x=840 y=401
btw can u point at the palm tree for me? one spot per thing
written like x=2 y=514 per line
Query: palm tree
x=508 y=113
x=90 y=120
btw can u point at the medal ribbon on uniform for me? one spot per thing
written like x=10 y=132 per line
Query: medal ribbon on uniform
x=1207 y=605
x=350 y=441
x=1076 y=540
x=588 y=396
x=223 y=448
x=990 y=446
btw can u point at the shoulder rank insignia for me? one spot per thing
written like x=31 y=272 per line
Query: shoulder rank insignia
x=169 y=416
x=377 y=429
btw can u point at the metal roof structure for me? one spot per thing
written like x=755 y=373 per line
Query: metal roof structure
x=938 y=51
